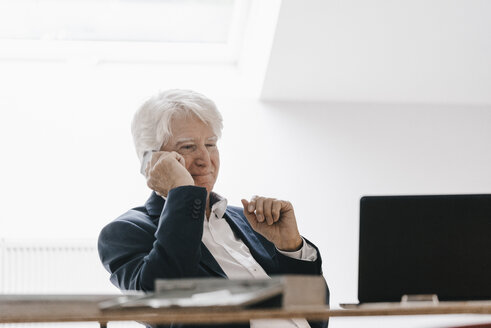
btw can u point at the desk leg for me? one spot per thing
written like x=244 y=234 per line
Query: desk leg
x=103 y=324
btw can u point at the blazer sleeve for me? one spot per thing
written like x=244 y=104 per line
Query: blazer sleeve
x=136 y=253
x=288 y=265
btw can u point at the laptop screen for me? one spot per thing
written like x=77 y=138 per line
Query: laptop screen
x=439 y=244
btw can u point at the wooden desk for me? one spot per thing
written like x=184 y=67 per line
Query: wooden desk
x=58 y=308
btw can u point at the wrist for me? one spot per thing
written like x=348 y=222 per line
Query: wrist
x=183 y=182
x=292 y=246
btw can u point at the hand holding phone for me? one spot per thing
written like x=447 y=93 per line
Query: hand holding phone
x=165 y=171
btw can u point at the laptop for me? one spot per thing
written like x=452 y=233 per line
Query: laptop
x=424 y=247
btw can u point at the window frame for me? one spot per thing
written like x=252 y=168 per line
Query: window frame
x=135 y=51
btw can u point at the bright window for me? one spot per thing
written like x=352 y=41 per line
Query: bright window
x=160 y=30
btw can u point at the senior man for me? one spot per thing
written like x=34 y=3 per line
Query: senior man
x=186 y=230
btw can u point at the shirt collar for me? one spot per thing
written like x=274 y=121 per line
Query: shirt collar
x=218 y=204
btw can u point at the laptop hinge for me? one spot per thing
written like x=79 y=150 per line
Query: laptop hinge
x=419 y=298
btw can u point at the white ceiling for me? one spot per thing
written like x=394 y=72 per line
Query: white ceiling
x=424 y=51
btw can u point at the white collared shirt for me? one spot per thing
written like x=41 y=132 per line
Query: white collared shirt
x=235 y=258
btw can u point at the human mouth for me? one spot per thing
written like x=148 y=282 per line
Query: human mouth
x=201 y=175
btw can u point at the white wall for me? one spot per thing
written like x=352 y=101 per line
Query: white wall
x=434 y=51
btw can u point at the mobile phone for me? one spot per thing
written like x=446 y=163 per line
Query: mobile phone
x=147 y=156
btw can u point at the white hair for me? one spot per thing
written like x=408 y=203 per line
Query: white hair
x=151 y=123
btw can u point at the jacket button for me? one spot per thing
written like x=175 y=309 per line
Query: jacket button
x=194 y=215
x=197 y=201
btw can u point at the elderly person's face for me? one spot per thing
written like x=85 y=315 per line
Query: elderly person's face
x=197 y=143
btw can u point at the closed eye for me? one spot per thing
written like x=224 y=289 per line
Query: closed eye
x=187 y=147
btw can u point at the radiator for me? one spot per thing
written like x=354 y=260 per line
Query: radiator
x=52 y=267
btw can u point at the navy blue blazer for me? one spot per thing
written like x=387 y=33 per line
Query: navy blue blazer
x=162 y=239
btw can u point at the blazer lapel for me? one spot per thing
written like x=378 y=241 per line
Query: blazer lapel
x=244 y=231
x=209 y=262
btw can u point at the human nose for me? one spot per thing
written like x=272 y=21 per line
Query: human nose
x=203 y=156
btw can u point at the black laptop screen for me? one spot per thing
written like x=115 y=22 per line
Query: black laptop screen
x=425 y=245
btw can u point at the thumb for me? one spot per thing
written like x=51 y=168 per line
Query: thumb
x=251 y=217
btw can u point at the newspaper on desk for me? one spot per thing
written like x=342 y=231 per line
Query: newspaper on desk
x=220 y=292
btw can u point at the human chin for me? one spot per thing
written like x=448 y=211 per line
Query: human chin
x=204 y=181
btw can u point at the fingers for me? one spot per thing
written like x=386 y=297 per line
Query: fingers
x=160 y=156
x=276 y=210
x=267 y=207
x=249 y=215
x=267 y=210
x=256 y=204
x=167 y=170
x=252 y=204
x=154 y=157
x=153 y=160
x=179 y=158
x=259 y=209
